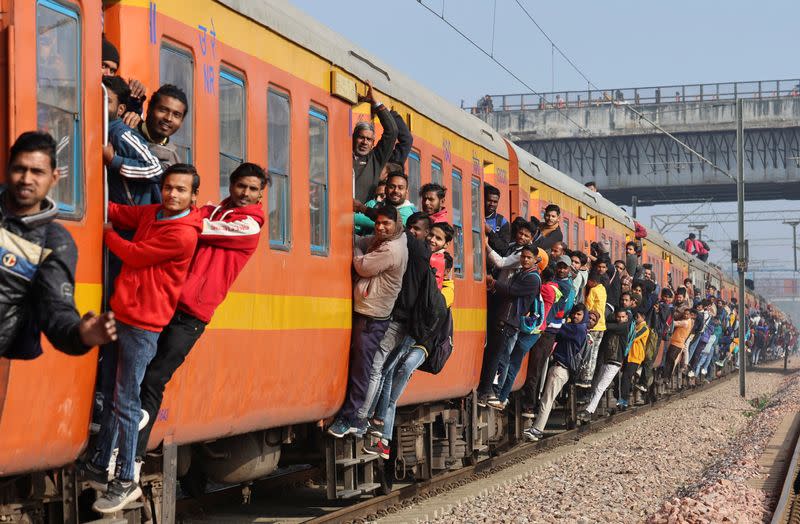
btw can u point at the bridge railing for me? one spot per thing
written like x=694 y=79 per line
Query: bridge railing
x=669 y=94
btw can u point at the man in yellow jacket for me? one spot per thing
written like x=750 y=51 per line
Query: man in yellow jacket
x=635 y=356
x=595 y=301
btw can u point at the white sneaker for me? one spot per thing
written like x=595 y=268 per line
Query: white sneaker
x=145 y=419
x=690 y=374
x=703 y=372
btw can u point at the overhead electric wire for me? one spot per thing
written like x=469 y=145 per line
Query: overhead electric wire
x=502 y=66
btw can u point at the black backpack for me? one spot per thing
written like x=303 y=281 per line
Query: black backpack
x=441 y=350
x=428 y=314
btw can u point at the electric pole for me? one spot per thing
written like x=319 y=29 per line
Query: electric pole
x=741 y=261
x=793 y=223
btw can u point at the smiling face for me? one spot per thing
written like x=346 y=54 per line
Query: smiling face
x=165 y=117
x=551 y=218
x=527 y=260
x=436 y=239
x=562 y=270
x=176 y=193
x=30 y=178
x=245 y=191
x=490 y=203
x=576 y=263
x=385 y=227
x=396 y=190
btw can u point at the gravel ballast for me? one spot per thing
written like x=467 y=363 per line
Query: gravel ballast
x=684 y=462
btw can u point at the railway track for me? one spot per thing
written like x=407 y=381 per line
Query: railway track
x=787 y=510
x=410 y=494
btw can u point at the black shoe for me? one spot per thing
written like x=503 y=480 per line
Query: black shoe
x=120 y=494
x=96 y=477
x=380 y=448
x=584 y=416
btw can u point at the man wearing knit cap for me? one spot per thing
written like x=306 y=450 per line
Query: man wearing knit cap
x=109 y=66
x=368 y=161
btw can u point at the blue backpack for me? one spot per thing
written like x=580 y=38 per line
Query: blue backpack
x=533 y=320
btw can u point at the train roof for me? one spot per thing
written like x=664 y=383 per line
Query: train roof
x=298 y=27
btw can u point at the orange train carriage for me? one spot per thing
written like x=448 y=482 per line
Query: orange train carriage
x=270 y=85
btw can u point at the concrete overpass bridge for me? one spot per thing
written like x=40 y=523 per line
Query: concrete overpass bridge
x=597 y=135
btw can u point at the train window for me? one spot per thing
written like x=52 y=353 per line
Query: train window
x=566 y=232
x=523 y=211
x=58 y=99
x=413 y=175
x=232 y=127
x=177 y=68
x=576 y=235
x=616 y=249
x=476 y=223
x=278 y=127
x=318 y=179
x=436 y=172
x=458 y=226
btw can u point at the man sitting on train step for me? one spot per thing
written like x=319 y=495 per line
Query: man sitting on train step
x=155 y=265
x=379 y=262
x=368 y=161
x=39 y=258
x=396 y=194
x=432 y=202
x=227 y=241
x=166 y=111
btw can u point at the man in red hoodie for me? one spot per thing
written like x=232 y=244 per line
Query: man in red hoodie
x=432 y=202
x=229 y=238
x=154 y=268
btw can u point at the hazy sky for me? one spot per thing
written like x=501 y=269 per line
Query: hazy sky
x=625 y=43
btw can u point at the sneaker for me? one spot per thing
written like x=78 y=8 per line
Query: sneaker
x=361 y=428
x=690 y=374
x=380 y=448
x=340 y=428
x=532 y=434
x=120 y=494
x=374 y=430
x=622 y=405
x=641 y=388
x=720 y=363
x=703 y=372
x=96 y=477
x=482 y=401
x=497 y=404
x=584 y=416
x=144 y=420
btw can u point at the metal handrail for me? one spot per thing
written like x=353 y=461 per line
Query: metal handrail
x=667 y=94
x=105 y=143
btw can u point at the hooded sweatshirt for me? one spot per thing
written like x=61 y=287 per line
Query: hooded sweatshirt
x=440 y=216
x=637 y=352
x=379 y=265
x=155 y=263
x=227 y=241
x=570 y=340
x=596 y=301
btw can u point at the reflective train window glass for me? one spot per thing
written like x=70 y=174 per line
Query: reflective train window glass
x=58 y=99
x=436 y=172
x=476 y=224
x=177 y=68
x=232 y=128
x=278 y=122
x=576 y=236
x=458 y=226
x=566 y=232
x=318 y=180
x=413 y=176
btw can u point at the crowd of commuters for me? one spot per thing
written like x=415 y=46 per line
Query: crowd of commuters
x=581 y=316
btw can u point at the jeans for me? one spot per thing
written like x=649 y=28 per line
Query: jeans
x=394 y=336
x=557 y=376
x=607 y=374
x=399 y=367
x=501 y=343
x=627 y=380
x=524 y=344
x=693 y=346
x=174 y=344
x=536 y=366
x=672 y=361
x=365 y=341
x=706 y=356
x=136 y=348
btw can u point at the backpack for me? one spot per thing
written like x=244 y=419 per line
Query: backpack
x=440 y=351
x=428 y=313
x=533 y=319
x=705 y=245
x=682 y=245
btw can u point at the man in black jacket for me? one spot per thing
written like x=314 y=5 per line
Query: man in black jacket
x=39 y=258
x=368 y=161
x=497 y=227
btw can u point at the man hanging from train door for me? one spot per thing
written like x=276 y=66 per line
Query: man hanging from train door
x=229 y=238
x=494 y=222
x=39 y=258
x=155 y=266
x=166 y=112
x=396 y=195
x=368 y=161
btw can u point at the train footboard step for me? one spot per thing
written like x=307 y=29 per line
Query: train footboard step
x=349 y=471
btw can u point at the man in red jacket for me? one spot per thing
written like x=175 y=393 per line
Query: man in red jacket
x=229 y=238
x=154 y=269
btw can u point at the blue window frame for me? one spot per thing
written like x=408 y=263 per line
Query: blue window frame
x=414 y=179
x=278 y=165
x=176 y=67
x=58 y=97
x=458 y=225
x=232 y=127
x=476 y=225
x=436 y=171
x=318 y=180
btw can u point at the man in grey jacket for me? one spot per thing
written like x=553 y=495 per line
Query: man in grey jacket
x=368 y=161
x=379 y=262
